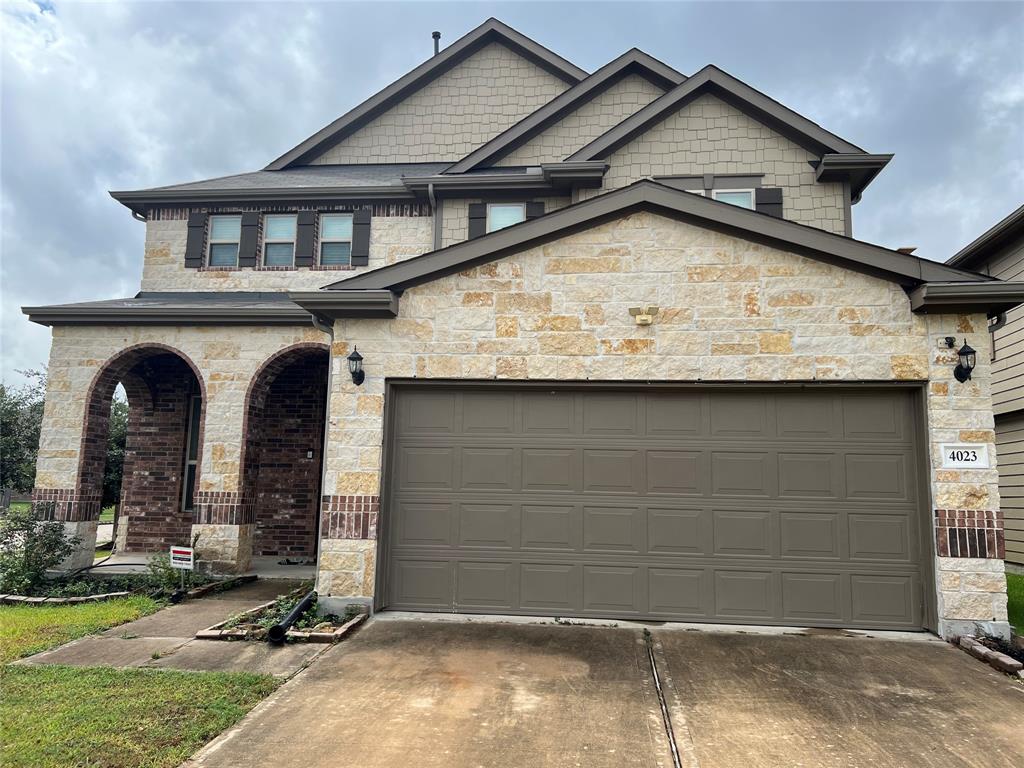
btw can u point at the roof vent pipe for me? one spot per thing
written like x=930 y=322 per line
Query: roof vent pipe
x=437 y=41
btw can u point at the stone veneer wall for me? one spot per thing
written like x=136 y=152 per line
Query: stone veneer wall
x=392 y=238
x=709 y=136
x=453 y=115
x=730 y=310
x=227 y=359
x=579 y=128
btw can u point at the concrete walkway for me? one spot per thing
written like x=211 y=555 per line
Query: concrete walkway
x=469 y=694
x=165 y=639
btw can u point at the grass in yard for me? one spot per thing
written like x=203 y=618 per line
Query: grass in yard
x=25 y=630
x=107 y=515
x=1015 y=600
x=53 y=717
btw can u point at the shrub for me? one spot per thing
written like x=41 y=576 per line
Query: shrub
x=29 y=547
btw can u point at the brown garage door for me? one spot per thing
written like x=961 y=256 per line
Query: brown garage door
x=786 y=506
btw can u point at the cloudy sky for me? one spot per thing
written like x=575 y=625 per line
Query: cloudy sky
x=130 y=95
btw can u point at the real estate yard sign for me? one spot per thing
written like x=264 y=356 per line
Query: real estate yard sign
x=183 y=558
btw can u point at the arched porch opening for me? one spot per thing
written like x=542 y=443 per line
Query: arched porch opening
x=283 y=452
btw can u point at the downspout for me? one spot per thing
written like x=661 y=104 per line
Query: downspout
x=320 y=325
x=438 y=216
x=138 y=216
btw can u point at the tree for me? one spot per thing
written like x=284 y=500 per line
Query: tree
x=21 y=417
x=114 y=469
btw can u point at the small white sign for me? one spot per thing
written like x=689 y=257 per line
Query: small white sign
x=965 y=456
x=183 y=558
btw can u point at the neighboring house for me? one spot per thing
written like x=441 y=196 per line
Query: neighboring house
x=620 y=357
x=1000 y=253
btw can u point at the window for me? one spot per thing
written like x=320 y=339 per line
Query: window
x=501 y=215
x=336 y=239
x=744 y=198
x=225 y=232
x=279 y=240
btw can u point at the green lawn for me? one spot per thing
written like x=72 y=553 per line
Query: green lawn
x=54 y=717
x=1015 y=600
x=25 y=630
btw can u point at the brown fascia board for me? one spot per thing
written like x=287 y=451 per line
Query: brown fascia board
x=490 y=31
x=751 y=101
x=814 y=243
x=990 y=241
x=542 y=179
x=69 y=314
x=632 y=61
x=339 y=304
x=992 y=297
x=858 y=169
x=138 y=201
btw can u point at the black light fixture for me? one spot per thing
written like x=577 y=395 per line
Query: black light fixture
x=355 y=366
x=967 y=359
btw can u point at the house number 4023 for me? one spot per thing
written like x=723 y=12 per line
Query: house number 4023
x=965 y=456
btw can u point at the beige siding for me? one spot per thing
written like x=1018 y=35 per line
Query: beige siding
x=456 y=113
x=1010 y=447
x=709 y=136
x=576 y=130
x=1008 y=366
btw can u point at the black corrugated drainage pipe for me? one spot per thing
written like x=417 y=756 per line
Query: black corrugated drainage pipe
x=279 y=631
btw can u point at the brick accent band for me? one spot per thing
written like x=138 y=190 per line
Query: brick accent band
x=66 y=504
x=349 y=517
x=970 y=533
x=223 y=508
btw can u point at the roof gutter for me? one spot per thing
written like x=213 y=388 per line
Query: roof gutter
x=992 y=298
x=72 y=315
x=137 y=201
x=856 y=168
x=339 y=304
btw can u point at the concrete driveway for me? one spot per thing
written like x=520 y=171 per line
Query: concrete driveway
x=460 y=694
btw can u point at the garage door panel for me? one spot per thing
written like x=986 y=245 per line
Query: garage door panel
x=676 y=472
x=745 y=594
x=488 y=585
x=488 y=468
x=427 y=412
x=678 y=592
x=553 y=469
x=809 y=535
x=550 y=587
x=677 y=531
x=551 y=526
x=879 y=537
x=749 y=506
x=812 y=597
x=741 y=474
x=612 y=589
x=612 y=529
x=493 y=526
x=612 y=471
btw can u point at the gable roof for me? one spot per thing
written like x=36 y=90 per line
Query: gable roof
x=990 y=241
x=751 y=101
x=649 y=195
x=633 y=61
x=490 y=31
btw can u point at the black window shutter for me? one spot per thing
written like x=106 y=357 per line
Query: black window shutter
x=769 y=201
x=305 y=237
x=196 y=240
x=534 y=210
x=477 y=220
x=361 y=238
x=248 y=242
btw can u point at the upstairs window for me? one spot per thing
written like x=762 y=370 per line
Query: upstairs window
x=279 y=240
x=501 y=215
x=336 y=239
x=744 y=198
x=225 y=232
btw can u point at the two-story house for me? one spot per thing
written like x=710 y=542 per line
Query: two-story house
x=510 y=337
x=1000 y=252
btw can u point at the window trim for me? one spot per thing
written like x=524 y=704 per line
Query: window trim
x=211 y=241
x=487 y=220
x=321 y=239
x=751 y=191
x=267 y=240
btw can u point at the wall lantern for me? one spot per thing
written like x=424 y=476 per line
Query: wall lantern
x=355 y=366
x=967 y=358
